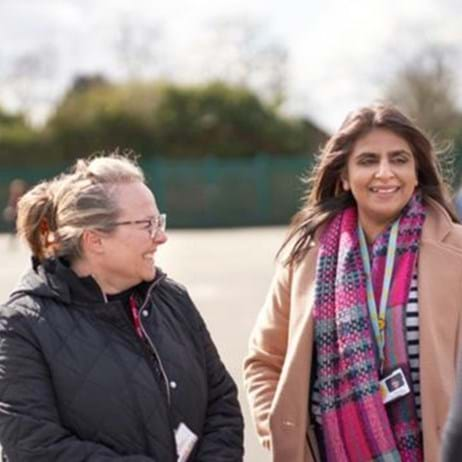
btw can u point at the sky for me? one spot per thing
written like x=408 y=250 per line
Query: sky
x=340 y=54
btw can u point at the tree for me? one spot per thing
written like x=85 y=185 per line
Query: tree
x=102 y=117
x=28 y=77
x=425 y=88
x=173 y=120
x=241 y=53
x=82 y=83
x=137 y=48
x=21 y=144
x=8 y=119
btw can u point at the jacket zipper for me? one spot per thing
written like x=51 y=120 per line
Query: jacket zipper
x=151 y=343
x=156 y=354
x=154 y=349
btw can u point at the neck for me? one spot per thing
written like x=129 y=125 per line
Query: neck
x=371 y=232
x=81 y=268
x=84 y=268
x=373 y=228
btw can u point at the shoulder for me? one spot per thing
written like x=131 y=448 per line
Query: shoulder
x=176 y=298
x=303 y=269
x=19 y=314
x=21 y=306
x=455 y=235
x=440 y=231
x=29 y=303
x=452 y=246
x=172 y=289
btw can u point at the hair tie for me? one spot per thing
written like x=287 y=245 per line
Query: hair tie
x=49 y=237
x=44 y=227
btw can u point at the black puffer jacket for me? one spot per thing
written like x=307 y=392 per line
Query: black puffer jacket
x=78 y=384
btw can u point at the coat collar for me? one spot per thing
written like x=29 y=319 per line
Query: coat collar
x=437 y=224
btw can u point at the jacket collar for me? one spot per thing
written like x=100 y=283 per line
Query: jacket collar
x=53 y=278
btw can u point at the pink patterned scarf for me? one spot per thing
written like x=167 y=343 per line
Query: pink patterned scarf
x=356 y=425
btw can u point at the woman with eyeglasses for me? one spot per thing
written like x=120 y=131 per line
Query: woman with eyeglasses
x=102 y=356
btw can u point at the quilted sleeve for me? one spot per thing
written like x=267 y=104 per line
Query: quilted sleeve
x=222 y=438
x=30 y=428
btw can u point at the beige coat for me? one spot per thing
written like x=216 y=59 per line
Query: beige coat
x=277 y=368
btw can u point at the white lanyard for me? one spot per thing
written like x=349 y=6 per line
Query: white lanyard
x=378 y=316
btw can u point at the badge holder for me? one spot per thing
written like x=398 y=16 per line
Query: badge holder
x=394 y=386
x=185 y=440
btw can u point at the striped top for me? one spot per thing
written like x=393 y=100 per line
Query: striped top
x=412 y=340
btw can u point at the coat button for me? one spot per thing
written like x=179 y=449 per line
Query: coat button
x=172 y=384
x=145 y=313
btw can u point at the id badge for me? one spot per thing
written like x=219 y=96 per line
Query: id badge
x=185 y=440
x=394 y=386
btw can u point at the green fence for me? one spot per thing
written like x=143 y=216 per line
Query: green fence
x=212 y=192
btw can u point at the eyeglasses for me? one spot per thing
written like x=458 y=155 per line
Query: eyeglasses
x=152 y=225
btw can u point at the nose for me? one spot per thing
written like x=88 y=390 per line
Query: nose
x=160 y=237
x=384 y=169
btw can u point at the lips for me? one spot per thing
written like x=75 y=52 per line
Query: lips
x=149 y=256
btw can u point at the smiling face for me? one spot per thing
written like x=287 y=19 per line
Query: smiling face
x=128 y=252
x=381 y=173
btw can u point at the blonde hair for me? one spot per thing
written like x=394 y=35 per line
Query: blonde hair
x=53 y=215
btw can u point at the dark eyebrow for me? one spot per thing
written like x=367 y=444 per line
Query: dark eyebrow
x=366 y=154
x=399 y=152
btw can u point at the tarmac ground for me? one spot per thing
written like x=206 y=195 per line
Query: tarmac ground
x=227 y=272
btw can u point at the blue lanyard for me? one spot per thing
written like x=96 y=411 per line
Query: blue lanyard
x=378 y=317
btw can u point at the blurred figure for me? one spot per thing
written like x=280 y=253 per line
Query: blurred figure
x=102 y=356
x=352 y=357
x=16 y=189
x=458 y=202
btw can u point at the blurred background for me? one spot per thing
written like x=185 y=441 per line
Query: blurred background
x=227 y=103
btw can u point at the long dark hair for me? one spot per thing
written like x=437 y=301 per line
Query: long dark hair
x=325 y=196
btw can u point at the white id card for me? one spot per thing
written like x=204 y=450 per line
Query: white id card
x=185 y=440
x=394 y=386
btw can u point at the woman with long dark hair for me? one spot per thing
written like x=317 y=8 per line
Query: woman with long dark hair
x=352 y=357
